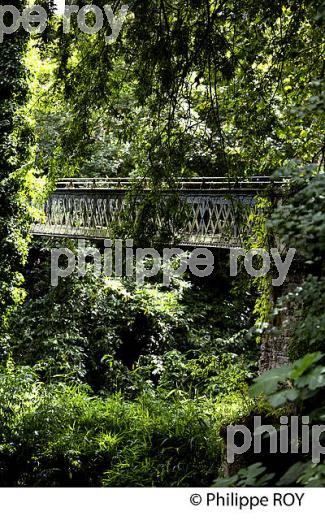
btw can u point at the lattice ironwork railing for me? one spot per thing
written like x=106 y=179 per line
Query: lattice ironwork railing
x=216 y=212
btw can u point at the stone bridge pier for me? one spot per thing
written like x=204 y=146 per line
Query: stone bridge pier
x=276 y=342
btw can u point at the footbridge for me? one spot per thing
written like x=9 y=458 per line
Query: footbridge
x=216 y=211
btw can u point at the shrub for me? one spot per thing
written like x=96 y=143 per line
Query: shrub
x=60 y=435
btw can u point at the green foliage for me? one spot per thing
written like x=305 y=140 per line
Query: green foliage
x=58 y=435
x=253 y=476
x=111 y=326
x=192 y=88
x=300 y=222
x=175 y=103
x=302 y=380
x=12 y=217
x=120 y=333
x=178 y=95
x=159 y=425
x=299 y=387
x=196 y=374
x=260 y=238
x=303 y=383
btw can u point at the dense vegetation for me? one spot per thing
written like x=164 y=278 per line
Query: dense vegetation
x=106 y=382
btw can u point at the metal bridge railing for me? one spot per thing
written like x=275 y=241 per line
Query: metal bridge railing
x=217 y=209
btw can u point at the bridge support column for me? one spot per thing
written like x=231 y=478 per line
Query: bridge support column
x=276 y=341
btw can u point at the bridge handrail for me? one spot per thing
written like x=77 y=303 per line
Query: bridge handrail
x=197 y=183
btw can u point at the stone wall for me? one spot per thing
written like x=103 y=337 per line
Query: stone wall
x=276 y=341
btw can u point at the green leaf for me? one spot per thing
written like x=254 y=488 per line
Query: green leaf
x=281 y=398
x=291 y=476
x=268 y=383
x=300 y=366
